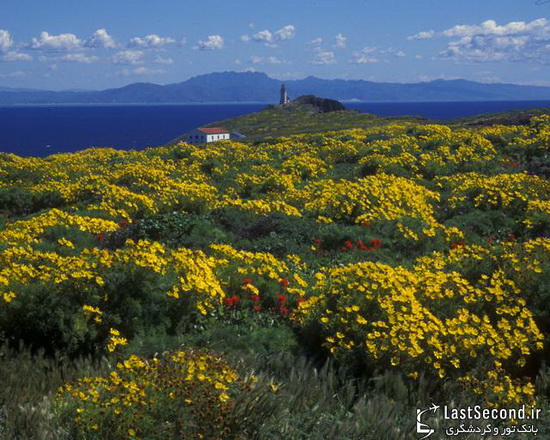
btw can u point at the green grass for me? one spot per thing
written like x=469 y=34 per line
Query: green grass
x=279 y=121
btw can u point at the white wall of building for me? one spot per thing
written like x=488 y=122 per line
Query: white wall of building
x=196 y=137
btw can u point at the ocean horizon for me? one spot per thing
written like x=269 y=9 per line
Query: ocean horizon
x=42 y=130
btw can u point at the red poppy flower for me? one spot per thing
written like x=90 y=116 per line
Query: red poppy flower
x=284 y=282
x=255 y=298
x=283 y=310
x=281 y=299
x=361 y=245
x=231 y=301
x=348 y=244
x=317 y=241
x=375 y=243
x=256 y=308
x=247 y=280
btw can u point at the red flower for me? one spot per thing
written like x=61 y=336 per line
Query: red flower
x=255 y=298
x=300 y=300
x=366 y=223
x=284 y=282
x=281 y=299
x=247 y=280
x=317 y=241
x=283 y=310
x=256 y=308
x=361 y=245
x=375 y=243
x=348 y=244
x=231 y=301
x=490 y=239
x=100 y=237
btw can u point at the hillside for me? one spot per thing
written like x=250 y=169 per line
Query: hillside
x=297 y=118
x=320 y=283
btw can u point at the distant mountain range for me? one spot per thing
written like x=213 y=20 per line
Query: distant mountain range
x=258 y=87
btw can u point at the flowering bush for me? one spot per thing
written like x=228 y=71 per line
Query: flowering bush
x=184 y=394
x=433 y=322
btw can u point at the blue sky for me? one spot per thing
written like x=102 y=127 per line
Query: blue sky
x=97 y=44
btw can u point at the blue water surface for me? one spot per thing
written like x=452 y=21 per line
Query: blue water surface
x=44 y=130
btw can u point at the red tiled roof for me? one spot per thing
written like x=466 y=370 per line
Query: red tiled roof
x=212 y=130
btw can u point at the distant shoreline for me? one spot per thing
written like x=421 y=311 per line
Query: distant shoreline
x=345 y=102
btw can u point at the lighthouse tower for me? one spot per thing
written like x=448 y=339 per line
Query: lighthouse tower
x=284 y=95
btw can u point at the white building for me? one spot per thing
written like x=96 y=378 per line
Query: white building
x=206 y=134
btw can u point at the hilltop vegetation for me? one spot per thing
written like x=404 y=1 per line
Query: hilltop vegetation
x=298 y=118
x=308 y=286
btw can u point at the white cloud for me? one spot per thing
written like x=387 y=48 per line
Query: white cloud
x=16 y=56
x=61 y=42
x=362 y=59
x=271 y=38
x=5 y=41
x=265 y=60
x=316 y=41
x=285 y=33
x=213 y=42
x=364 y=56
x=372 y=54
x=392 y=52
x=324 y=58
x=263 y=36
x=424 y=35
x=490 y=27
x=101 y=38
x=340 y=41
x=163 y=60
x=490 y=42
x=78 y=58
x=139 y=71
x=128 y=57
x=151 y=42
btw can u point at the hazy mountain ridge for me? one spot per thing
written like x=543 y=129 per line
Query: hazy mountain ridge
x=258 y=87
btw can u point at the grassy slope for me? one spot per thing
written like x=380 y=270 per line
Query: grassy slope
x=515 y=117
x=279 y=121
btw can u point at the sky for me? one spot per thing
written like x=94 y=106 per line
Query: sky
x=100 y=44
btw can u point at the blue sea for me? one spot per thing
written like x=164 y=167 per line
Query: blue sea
x=44 y=130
